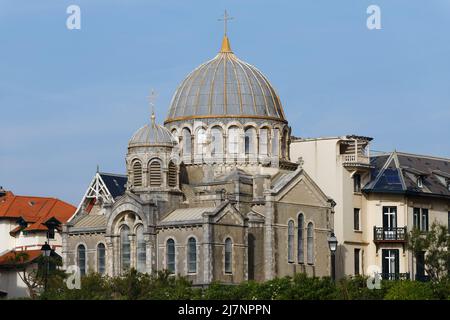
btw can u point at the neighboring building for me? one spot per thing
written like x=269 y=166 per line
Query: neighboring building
x=340 y=166
x=380 y=198
x=23 y=229
x=406 y=191
x=212 y=195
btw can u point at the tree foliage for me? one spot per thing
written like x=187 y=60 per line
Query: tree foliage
x=436 y=244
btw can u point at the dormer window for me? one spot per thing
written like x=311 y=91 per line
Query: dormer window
x=419 y=181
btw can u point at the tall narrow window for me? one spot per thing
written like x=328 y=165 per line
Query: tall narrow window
x=125 y=247
x=217 y=142
x=192 y=255
x=228 y=256
x=356 y=219
x=310 y=243
x=276 y=142
x=390 y=264
x=172 y=175
x=357 y=260
x=356 y=182
x=416 y=218
x=155 y=173
x=170 y=255
x=187 y=142
x=290 y=241
x=81 y=257
x=233 y=140
x=201 y=142
x=141 y=250
x=284 y=145
x=137 y=174
x=300 y=244
x=264 y=142
x=101 y=258
x=424 y=218
x=250 y=141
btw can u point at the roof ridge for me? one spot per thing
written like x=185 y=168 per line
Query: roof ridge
x=113 y=174
x=422 y=156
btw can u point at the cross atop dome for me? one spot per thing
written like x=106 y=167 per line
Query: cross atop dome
x=151 y=100
x=225 y=42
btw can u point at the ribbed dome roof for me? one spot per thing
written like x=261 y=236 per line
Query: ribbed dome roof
x=225 y=87
x=152 y=135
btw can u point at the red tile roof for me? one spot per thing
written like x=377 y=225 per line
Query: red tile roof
x=35 y=210
x=9 y=258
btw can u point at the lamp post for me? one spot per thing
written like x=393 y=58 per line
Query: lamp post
x=332 y=244
x=46 y=250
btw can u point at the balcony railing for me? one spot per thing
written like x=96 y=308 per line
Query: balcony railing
x=382 y=234
x=354 y=159
x=395 y=276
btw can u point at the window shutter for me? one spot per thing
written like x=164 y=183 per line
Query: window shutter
x=155 y=173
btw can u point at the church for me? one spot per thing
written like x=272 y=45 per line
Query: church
x=212 y=194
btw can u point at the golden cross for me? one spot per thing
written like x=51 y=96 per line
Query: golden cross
x=225 y=19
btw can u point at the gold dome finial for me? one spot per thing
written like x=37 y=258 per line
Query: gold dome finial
x=151 y=100
x=225 y=42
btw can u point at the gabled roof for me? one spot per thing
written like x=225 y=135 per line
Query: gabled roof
x=398 y=172
x=107 y=186
x=35 y=210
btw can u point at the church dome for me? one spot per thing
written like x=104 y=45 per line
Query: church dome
x=152 y=135
x=225 y=87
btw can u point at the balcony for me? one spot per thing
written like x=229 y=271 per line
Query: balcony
x=389 y=235
x=355 y=160
x=395 y=276
x=381 y=234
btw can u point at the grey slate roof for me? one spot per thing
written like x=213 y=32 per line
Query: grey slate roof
x=89 y=222
x=186 y=215
x=115 y=183
x=398 y=173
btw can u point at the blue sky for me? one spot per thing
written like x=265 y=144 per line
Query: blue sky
x=70 y=100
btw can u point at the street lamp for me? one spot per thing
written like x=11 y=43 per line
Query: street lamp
x=332 y=244
x=46 y=250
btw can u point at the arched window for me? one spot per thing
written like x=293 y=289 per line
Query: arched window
x=291 y=241
x=233 y=140
x=250 y=141
x=300 y=249
x=141 y=250
x=81 y=259
x=201 y=142
x=264 y=142
x=310 y=243
x=276 y=142
x=187 y=143
x=228 y=256
x=172 y=175
x=137 y=174
x=155 y=173
x=125 y=247
x=101 y=258
x=217 y=141
x=170 y=255
x=192 y=255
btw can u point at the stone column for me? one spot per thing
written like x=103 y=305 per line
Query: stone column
x=133 y=258
x=148 y=253
x=207 y=251
x=110 y=255
x=269 y=259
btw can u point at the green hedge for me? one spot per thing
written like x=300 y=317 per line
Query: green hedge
x=162 y=286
